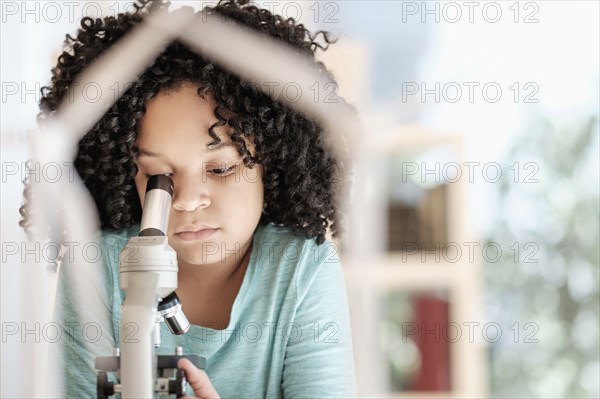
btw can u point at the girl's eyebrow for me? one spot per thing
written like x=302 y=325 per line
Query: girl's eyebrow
x=141 y=151
x=209 y=148
x=214 y=147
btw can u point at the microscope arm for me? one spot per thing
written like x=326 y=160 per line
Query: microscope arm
x=137 y=325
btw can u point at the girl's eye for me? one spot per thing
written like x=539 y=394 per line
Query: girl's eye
x=222 y=171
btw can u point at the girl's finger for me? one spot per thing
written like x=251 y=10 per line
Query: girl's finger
x=198 y=380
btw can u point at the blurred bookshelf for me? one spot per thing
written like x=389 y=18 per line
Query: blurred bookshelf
x=415 y=288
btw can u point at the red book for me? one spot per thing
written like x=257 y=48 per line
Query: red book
x=431 y=318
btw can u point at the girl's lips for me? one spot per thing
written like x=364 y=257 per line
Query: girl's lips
x=195 y=235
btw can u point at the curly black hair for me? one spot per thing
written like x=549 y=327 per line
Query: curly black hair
x=303 y=180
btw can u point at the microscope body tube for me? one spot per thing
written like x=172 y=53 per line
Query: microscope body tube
x=148 y=271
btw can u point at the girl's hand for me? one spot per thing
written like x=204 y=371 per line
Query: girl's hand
x=198 y=379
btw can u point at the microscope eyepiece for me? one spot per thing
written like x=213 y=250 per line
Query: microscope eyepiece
x=157 y=203
x=162 y=182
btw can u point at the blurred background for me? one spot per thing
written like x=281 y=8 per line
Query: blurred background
x=482 y=275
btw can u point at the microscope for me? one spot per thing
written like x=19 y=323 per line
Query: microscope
x=148 y=271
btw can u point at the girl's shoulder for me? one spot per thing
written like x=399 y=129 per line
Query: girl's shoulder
x=282 y=237
x=120 y=234
x=112 y=242
x=277 y=244
x=289 y=260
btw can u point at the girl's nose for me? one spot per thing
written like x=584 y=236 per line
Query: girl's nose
x=188 y=197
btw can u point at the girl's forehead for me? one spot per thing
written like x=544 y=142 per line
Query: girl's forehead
x=177 y=109
x=181 y=117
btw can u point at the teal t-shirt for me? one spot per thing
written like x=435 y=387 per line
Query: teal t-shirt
x=288 y=336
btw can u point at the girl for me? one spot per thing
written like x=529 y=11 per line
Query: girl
x=256 y=190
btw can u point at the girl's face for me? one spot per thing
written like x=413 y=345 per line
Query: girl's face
x=217 y=201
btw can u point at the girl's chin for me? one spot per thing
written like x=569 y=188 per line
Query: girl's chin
x=204 y=252
x=196 y=257
x=199 y=258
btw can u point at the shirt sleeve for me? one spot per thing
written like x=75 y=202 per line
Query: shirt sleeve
x=83 y=307
x=319 y=361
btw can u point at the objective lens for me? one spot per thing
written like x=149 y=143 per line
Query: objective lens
x=178 y=324
x=170 y=309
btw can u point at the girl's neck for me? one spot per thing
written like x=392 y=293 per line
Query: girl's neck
x=212 y=277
